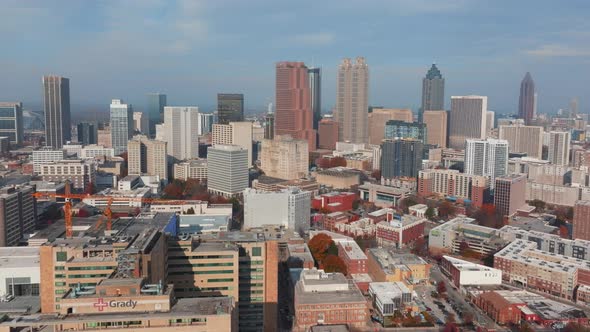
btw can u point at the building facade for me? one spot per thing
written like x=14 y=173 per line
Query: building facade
x=433 y=91
x=510 y=193
x=227 y=170
x=121 y=125
x=486 y=157
x=352 y=101
x=559 y=147
x=400 y=129
x=11 y=122
x=379 y=117
x=230 y=107
x=18 y=214
x=581 y=222
x=523 y=139
x=87 y=133
x=436 y=127
x=315 y=94
x=192 y=169
x=155 y=111
x=401 y=158
x=467 y=119
x=526 y=101
x=56 y=103
x=327 y=134
x=182 y=131
x=147 y=157
x=285 y=158
x=293 y=115
x=291 y=209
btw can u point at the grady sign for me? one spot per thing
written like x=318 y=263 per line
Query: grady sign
x=101 y=304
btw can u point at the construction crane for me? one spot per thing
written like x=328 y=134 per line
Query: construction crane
x=108 y=213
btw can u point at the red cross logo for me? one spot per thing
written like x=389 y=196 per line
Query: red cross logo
x=101 y=304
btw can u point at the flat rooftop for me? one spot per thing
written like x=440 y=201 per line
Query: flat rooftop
x=19 y=257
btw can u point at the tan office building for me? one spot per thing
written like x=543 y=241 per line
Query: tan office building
x=380 y=116
x=234 y=133
x=147 y=157
x=285 y=158
x=436 y=127
x=523 y=139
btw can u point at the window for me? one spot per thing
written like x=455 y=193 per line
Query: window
x=257 y=251
x=60 y=268
x=61 y=256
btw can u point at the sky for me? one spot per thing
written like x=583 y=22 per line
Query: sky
x=191 y=50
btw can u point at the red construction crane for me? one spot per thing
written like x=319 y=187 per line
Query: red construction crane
x=108 y=213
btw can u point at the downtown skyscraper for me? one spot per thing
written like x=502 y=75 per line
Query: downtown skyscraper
x=56 y=103
x=352 y=101
x=121 y=125
x=315 y=90
x=181 y=131
x=526 y=102
x=433 y=92
x=230 y=107
x=155 y=110
x=468 y=119
x=293 y=115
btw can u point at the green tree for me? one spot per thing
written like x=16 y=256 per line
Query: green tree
x=429 y=214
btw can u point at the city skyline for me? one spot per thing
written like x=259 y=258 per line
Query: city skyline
x=551 y=51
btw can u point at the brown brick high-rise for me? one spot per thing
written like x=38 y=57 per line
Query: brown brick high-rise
x=581 y=220
x=293 y=114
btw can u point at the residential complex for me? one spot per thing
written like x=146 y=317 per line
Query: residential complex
x=147 y=157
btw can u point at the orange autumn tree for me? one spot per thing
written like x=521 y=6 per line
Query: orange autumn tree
x=319 y=245
x=333 y=263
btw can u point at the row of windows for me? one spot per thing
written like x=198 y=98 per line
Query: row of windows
x=81 y=268
x=81 y=276
x=202 y=264
x=202 y=272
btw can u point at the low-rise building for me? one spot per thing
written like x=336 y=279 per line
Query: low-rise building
x=19 y=271
x=334 y=201
x=80 y=173
x=460 y=232
x=389 y=297
x=353 y=257
x=338 y=177
x=328 y=298
x=388 y=266
x=465 y=273
x=290 y=209
x=452 y=183
x=399 y=230
x=381 y=195
x=192 y=169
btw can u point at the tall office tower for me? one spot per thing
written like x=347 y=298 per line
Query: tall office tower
x=121 y=125
x=352 y=101
x=234 y=133
x=436 y=127
x=328 y=134
x=401 y=158
x=487 y=157
x=227 y=170
x=291 y=209
x=433 y=92
x=315 y=94
x=523 y=139
x=11 y=118
x=181 y=127
x=269 y=126
x=526 y=102
x=147 y=157
x=293 y=115
x=88 y=133
x=230 y=107
x=581 y=222
x=559 y=147
x=155 y=110
x=510 y=193
x=379 y=116
x=535 y=104
x=285 y=158
x=141 y=123
x=489 y=121
x=205 y=123
x=574 y=106
x=56 y=103
x=400 y=129
x=467 y=119
x=18 y=214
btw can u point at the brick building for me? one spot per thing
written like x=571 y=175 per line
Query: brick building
x=399 y=230
x=334 y=201
x=353 y=256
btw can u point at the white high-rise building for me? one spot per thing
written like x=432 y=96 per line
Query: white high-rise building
x=487 y=157
x=234 y=133
x=352 y=101
x=523 y=139
x=559 y=147
x=289 y=208
x=140 y=123
x=227 y=170
x=468 y=119
x=490 y=121
x=121 y=125
x=181 y=131
x=46 y=155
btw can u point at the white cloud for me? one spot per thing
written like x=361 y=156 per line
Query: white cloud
x=557 y=50
x=316 y=38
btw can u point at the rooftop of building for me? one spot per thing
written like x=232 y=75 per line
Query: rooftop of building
x=334 y=288
x=337 y=237
x=388 y=291
x=533 y=303
x=300 y=251
x=463 y=265
x=352 y=250
x=380 y=212
x=583 y=203
x=533 y=224
x=361 y=277
x=339 y=172
x=330 y=328
x=19 y=257
x=511 y=177
x=399 y=221
x=526 y=252
x=389 y=260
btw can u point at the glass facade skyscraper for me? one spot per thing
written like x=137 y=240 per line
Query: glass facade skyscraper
x=526 y=102
x=230 y=107
x=121 y=125
x=315 y=91
x=433 y=92
x=155 y=110
x=56 y=102
x=11 y=122
x=402 y=129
